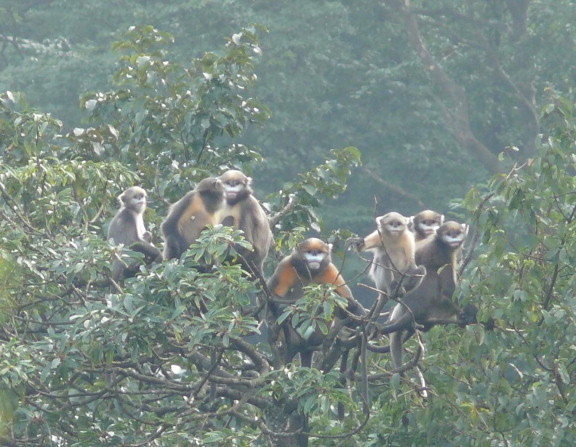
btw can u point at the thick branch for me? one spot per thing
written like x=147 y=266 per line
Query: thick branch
x=456 y=115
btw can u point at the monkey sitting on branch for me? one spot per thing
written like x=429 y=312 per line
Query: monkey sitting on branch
x=393 y=269
x=243 y=211
x=309 y=263
x=127 y=228
x=190 y=215
x=431 y=303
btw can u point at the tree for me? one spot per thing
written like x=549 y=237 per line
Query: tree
x=164 y=358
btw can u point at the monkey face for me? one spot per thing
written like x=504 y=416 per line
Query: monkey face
x=427 y=222
x=315 y=253
x=232 y=188
x=453 y=233
x=314 y=259
x=393 y=223
x=134 y=198
x=428 y=226
x=236 y=185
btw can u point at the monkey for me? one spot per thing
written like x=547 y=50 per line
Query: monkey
x=190 y=215
x=127 y=228
x=309 y=263
x=243 y=211
x=425 y=224
x=393 y=269
x=431 y=302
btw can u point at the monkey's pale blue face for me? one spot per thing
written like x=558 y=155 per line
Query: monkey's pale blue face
x=428 y=227
x=232 y=189
x=393 y=223
x=455 y=236
x=137 y=202
x=134 y=198
x=314 y=259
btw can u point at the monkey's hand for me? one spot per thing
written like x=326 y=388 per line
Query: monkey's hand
x=355 y=243
x=467 y=315
x=397 y=288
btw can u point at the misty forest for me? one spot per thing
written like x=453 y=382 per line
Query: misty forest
x=335 y=114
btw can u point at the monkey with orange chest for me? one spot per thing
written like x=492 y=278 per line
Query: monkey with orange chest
x=190 y=215
x=309 y=263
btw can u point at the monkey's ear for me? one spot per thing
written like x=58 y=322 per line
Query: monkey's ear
x=410 y=223
x=465 y=228
x=122 y=198
x=330 y=247
x=441 y=219
x=248 y=181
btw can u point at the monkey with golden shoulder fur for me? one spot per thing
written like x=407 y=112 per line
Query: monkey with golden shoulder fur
x=190 y=215
x=243 y=211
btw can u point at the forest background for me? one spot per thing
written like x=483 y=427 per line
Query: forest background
x=463 y=108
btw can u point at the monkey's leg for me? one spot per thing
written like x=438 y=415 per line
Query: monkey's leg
x=151 y=253
x=396 y=346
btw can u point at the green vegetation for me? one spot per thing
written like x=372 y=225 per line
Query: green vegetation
x=464 y=108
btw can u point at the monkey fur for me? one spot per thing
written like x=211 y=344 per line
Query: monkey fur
x=243 y=211
x=394 y=269
x=127 y=228
x=431 y=302
x=190 y=215
x=310 y=262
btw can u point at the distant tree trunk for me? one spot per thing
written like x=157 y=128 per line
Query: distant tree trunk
x=454 y=103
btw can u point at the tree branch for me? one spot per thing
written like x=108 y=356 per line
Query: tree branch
x=456 y=114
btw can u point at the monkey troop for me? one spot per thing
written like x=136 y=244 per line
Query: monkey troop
x=414 y=258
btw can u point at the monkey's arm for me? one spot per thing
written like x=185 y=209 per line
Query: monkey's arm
x=283 y=279
x=151 y=253
x=373 y=240
x=369 y=242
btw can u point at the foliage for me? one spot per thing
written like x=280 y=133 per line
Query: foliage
x=174 y=356
x=335 y=74
x=509 y=380
x=163 y=358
